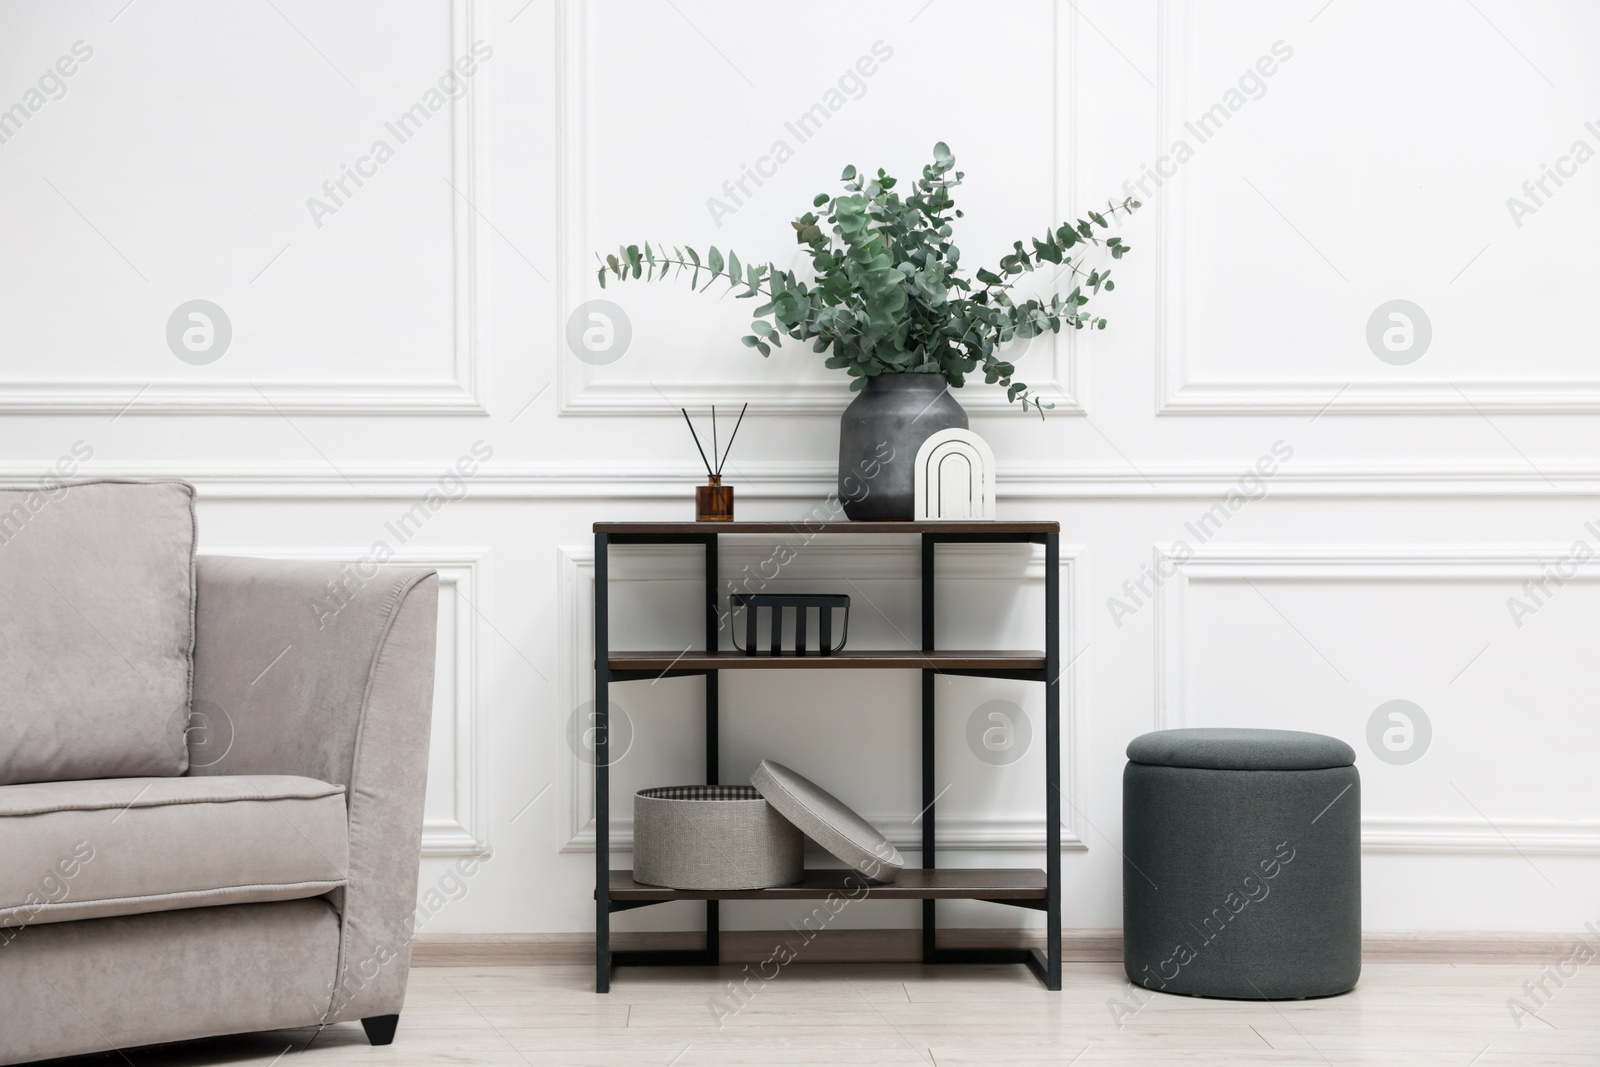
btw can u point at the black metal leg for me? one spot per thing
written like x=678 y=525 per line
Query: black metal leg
x=602 y=772
x=930 y=939
x=713 y=912
x=712 y=640
x=1052 y=753
x=711 y=728
x=709 y=955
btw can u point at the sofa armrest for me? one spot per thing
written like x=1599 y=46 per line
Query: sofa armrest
x=325 y=670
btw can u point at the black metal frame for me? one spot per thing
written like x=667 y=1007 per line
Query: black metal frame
x=1046 y=964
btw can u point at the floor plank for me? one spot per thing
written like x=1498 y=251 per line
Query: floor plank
x=1442 y=1014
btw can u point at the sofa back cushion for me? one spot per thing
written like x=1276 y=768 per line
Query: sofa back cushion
x=96 y=630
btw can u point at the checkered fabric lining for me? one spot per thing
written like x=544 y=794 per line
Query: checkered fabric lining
x=702 y=792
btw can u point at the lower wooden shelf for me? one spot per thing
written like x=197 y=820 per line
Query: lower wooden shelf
x=997 y=883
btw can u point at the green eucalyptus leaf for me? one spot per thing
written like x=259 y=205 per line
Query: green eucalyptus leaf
x=886 y=293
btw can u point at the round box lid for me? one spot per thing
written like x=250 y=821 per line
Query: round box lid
x=828 y=821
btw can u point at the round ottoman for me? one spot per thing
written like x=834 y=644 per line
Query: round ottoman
x=1241 y=870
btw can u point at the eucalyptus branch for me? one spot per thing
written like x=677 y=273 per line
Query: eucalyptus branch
x=648 y=263
x=888 y=295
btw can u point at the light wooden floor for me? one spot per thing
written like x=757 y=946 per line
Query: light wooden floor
x=1450 y=1015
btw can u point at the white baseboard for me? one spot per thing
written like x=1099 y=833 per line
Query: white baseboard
x=905 y=946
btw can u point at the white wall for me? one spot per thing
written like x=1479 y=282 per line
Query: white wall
x=427 y=312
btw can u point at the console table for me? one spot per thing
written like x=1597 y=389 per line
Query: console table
x=1019 y=887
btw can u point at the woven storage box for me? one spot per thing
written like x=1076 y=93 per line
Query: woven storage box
x=713 y=837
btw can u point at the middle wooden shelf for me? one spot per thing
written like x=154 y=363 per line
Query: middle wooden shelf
x=1001 y=884
x=945 y=660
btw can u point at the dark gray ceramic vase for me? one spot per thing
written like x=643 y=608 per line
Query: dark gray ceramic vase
x=879 y=434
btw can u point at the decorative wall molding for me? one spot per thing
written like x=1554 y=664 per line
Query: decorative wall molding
x=581 y=391
x=461 y=393
x=811 y=483
x=469 y=166
x=466 y=831
x=575 y=680
x=1545 y=837
x=1370 y=563
x=1526 y=397
x=90 y=396
x=833 y=558
x=1178 y=393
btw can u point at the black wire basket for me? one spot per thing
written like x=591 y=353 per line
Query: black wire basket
x=775 y=610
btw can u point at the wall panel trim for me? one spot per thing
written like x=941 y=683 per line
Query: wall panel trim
x=812 y=482
x=580 y=391
x=461 y=393
x=1178 y=393
x=1397 y=563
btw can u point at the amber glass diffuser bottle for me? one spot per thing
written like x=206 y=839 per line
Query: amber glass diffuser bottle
x=713 y=502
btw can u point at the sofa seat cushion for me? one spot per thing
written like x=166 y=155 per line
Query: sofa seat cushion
x=123 y=846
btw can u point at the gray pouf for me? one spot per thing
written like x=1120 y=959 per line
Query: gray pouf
x=1241 y=874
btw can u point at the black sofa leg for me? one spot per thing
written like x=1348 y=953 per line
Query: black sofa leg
x=380 y=1028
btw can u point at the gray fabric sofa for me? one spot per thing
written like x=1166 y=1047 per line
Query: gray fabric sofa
x=211 y=778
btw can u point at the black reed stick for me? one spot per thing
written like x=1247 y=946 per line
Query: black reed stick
x=731 y=436
x=696 y=437
x=714 y=437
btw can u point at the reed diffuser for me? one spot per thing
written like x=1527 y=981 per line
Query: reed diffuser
x=713 y=502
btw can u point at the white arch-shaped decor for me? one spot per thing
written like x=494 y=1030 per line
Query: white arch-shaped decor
x=954 y=477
